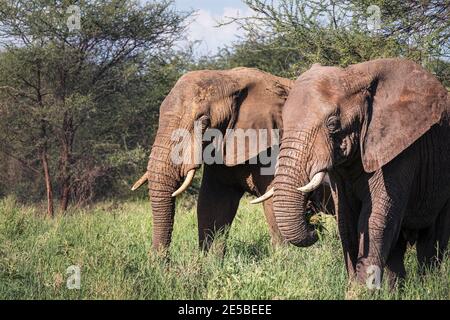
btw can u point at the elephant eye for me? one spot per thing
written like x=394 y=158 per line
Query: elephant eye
x=333 y=124
x=204 y=122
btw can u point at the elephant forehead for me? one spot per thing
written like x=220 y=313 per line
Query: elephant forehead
x=308 y=103
x=204 y=93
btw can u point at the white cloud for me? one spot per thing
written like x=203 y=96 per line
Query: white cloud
x=204 y=28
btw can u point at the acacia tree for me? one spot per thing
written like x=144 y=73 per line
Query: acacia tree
x=24 y=118
x=286 y=36
x=59 y=67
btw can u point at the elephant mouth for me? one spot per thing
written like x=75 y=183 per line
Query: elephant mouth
x=311 y=208
x=314 y=216
x=312 y=211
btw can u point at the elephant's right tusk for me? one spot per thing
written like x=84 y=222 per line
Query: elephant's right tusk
x=264 y=197
x=186 y=183
x=314 y=183
x=140 y=182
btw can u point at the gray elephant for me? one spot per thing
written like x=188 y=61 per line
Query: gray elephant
x=240 y=98
x=381 y=130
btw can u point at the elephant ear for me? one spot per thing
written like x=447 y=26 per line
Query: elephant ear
x=405 y=101
x=257 y=121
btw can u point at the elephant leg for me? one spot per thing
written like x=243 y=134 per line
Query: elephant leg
x=275 y=234
x=395 y=265
x=216 y=207
x=443 y=231
x=378 y=228
x=347 y=211
x=433 y=241
x=379 y=225
x=347 y=219
x=347 y=222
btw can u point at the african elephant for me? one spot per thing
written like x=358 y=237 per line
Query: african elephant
x=240 y=98
x=380 y=129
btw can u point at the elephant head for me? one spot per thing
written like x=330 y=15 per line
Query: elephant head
x=240 y=98
x=364 y=115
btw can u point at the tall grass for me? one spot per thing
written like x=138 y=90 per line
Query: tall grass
x=111 y=243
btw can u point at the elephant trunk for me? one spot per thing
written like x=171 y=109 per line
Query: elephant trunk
x=289 y=204
x=164 y=179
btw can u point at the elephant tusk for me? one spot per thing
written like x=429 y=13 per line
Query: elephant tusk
x=264 y=197
x=186 y=183
x=140 y=182
x=314 y=183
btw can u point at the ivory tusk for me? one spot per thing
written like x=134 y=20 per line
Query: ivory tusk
x=263 y=198
x=314 y=183
x=140 y=182
x=186 y=183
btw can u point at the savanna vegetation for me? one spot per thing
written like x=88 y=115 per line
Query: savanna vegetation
x=78 y=114
x=110 y=242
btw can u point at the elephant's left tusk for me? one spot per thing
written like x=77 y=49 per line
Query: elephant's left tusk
x=314 y=183
x=140 y=182
x=264 y=197
x=186 y=183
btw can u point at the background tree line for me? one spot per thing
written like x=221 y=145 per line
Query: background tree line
x=79 y=108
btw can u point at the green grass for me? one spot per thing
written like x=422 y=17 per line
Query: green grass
x=112 y=244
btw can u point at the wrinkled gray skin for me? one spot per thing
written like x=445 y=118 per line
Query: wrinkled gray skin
x=381 y=131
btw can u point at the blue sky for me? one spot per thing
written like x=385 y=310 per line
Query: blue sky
x=213 y=6
x=208 y=13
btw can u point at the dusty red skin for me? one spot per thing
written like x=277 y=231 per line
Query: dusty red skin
x=240 y=98
x=368 y=126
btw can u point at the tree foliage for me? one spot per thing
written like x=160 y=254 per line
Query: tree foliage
x=64 y=90
x=286 y=37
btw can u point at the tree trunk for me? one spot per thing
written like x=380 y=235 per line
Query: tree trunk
x=48 y=183
x=65 y=194
x=65 y=178
x=66 y=161
x=43 y=149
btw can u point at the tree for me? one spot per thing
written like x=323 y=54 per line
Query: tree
x=54 y=77
x=286 y=36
